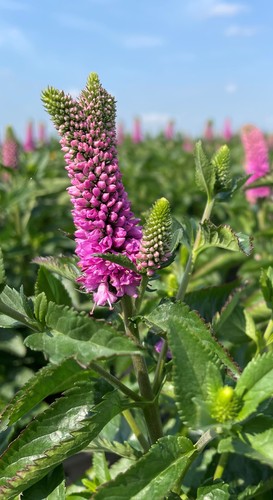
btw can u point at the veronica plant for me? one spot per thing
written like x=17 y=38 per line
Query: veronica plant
x=149 y=381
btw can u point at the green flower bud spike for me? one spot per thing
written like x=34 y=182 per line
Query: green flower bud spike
x=221 y=163
x=224 y=404
x=156 y=240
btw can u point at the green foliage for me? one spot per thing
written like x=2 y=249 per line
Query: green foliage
x=59 y=432
x=224 y=237
x=119 y=259
x=155 y=474
x=205 y=173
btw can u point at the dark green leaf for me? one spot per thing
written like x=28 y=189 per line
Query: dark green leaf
x=51 y=487
x=154 y=475
x=59 y=432
x=52 y=287
x=255 y=384
x=73 y=334
x=49 y=380
x=192 y=347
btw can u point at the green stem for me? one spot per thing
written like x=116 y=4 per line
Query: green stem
x=151 y=410
x=142 y=289
x=160 y=367
x=221 y=466
x=192 y=257
x=115 y=382
x=136 y=430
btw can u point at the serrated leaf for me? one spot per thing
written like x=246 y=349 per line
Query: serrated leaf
x=59 y=432
x=255 y=384
x=2 y=269
x=51 y=487
x=154 y=475
x=73 y=334
x=223 y=237
x=51 y=379
x=16 y=306
x=119 y=259
x=52 y=287
x=183 y=232
x=255 y=440
x=100 y=468
x=205 y=173
x=192 y=347
x=7 y=322
x=62 y=265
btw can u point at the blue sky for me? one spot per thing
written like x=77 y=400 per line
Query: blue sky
x=187 y=60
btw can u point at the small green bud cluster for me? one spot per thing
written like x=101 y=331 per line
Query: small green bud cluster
x=221 y=163
x=156 y=240
x=225 y=404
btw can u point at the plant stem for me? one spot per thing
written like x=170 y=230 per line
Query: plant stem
x=115 y=382
x=136 y=430
x=193 y=254
x=221 y=466
x=142 y=289
x=160 y=367
x=151 y=410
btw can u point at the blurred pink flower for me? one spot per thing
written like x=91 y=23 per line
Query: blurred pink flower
x=10 y=149
x=137 y=131
x=42 y=134
x=169 y=131
x=120 y=133
x=256 y=160
x=208 y=132
x=187 y=145
x=227 y=132
x=29 y=144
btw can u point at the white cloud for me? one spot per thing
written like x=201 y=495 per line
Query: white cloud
x=214 y=8
x=224 y=9
x=241 y=31
x=12 y=37
x=154 y=118
x=142 y=41
x=231 y=88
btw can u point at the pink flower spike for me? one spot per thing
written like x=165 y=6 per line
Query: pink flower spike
x=137 y=132
x=256 y=161
x=88 y=137
x=29 y=144
x=227 y=132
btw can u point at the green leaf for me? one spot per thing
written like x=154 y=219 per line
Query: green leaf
x=154 y=475
x=205 y=173
x=254 y=440
x=223 y=237
x=17 y=306
x=258 y=489
x=255 y=384
x=101 y=468
x=73 y=334
x=51 y=487
x=40 y=307
x=266 y=180
x=119 y=259
x=52 y=287
x=216 y=491
x=192 y=347
x=2 y=269
x=51 y=379
x=266 y=282
x=211 y=300
x=59 y=432
x=62 y=265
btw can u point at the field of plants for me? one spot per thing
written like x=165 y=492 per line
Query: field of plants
x=136 y=302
